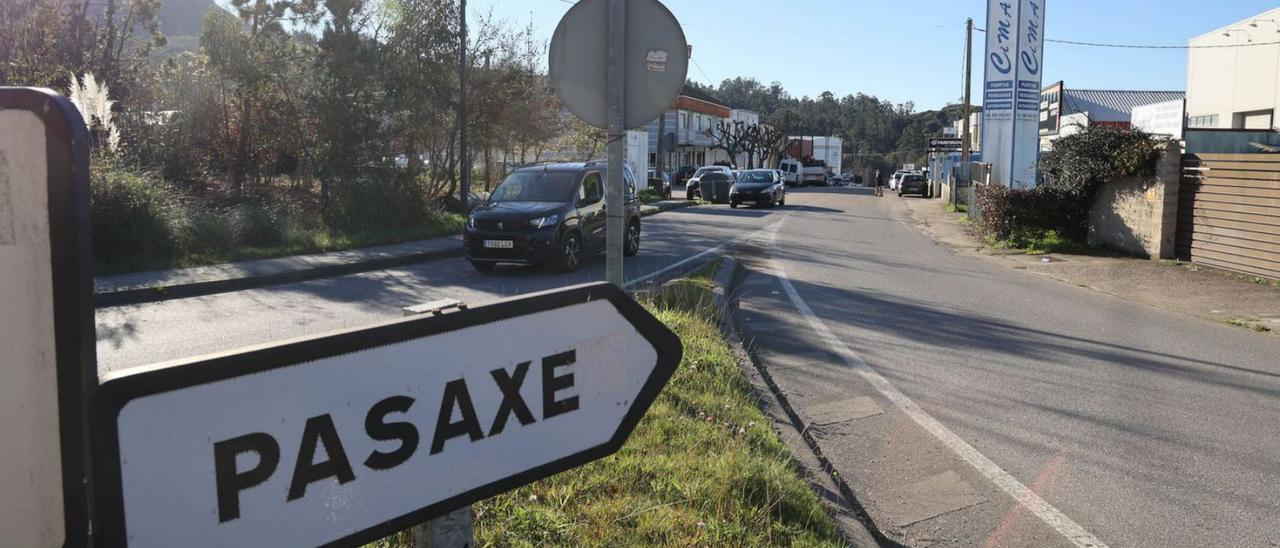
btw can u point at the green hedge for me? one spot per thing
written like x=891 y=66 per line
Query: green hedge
x=1073 y=172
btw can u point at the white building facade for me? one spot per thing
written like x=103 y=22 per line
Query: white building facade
x=691 y=120
x=1235 y=87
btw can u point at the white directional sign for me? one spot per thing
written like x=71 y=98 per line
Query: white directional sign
x=46 y=320
x=348 y=437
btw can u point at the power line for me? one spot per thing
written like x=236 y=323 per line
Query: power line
x=1144 y=46
x=704 y=73
x=929 y=27
x=850 y=32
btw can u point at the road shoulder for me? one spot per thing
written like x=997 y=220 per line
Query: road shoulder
x=850 y=517
x=914 y=489
x=1211 y=295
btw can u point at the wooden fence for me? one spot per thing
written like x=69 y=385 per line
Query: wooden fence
x=1229 y=212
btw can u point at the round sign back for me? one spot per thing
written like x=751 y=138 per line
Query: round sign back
x=657 y=61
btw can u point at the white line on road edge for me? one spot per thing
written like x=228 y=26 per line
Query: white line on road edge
x=773 y=228
x=1026 y=497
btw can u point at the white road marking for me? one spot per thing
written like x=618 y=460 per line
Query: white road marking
x=764 y=231
x=1026 y=497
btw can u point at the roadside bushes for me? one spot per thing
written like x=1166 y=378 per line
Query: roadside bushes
x=1080 y=163
x=141 y=223
x=1005 y=211
x=1057 y=210
x=255 y=226
x=133 y=214
x=387 y=199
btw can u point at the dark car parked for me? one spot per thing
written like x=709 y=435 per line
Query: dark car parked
x=549 y=214
x=758 y=187
x=682 y=175
x=660 y=182
x=913 y=184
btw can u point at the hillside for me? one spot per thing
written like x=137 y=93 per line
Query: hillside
x=183 y=17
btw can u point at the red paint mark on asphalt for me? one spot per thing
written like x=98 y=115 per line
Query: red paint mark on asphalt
x=1046 y=475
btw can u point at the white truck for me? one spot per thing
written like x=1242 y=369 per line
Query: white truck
x=817 y=159
x=804 y=172
x=829 y=151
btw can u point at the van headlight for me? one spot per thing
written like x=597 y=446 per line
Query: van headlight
x=542 y=222
x=471 y=222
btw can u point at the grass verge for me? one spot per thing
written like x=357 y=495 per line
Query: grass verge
x=703 y=467
x=650 y=196
x=1040 y=242
x=1249 y=323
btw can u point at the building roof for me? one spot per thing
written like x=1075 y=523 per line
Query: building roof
x=695 y=93
x=1112 y=105
x=1243 y=24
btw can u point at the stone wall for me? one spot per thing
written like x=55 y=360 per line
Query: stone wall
x=1140 y=216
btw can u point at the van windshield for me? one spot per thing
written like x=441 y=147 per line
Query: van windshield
x=536 y=186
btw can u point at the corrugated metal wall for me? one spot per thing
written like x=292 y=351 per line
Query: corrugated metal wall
x=1229 y=212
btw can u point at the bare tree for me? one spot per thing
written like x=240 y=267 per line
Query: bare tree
x=731 y=137
x=766 y=143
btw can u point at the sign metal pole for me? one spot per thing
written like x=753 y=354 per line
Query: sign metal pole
x=614 y=187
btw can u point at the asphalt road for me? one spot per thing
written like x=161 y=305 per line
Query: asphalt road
x=145 y=334
x=1144 y=427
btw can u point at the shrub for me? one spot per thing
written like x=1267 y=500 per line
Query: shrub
x=207 y=233
x=256 y=226
x=1080 y=163
x=378 y=201
x=1006 y=211
x=1058 y=208
x=133 y=219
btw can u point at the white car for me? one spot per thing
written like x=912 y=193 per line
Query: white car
x=896 y=180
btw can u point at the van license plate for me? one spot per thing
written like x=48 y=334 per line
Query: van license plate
x=499 y=244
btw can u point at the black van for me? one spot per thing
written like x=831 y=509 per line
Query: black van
x=548 y=214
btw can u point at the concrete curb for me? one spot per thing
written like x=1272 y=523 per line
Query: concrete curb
x=852 y=520
x=161 y=292
x=723 y=284
x=654 y=209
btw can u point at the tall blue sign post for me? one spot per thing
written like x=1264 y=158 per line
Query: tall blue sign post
x=1014 y=62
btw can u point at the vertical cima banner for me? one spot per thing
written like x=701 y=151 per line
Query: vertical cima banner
x=1011 y=90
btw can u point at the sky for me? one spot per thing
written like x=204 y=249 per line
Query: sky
x=913 y=50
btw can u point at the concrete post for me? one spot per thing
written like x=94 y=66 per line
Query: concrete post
x=1169 y=173
x=452 y=530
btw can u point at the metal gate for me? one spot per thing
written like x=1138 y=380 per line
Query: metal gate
x=1229 y=212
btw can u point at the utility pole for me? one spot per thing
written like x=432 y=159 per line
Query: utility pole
x=662 y=138
x=464 y=156
x=615 y=217
x=964 y=132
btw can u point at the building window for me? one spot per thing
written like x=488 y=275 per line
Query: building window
x=684 y=120
x=1209 y=121
x=1257 y=120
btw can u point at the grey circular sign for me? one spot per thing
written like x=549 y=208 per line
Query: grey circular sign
x=657 y=61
